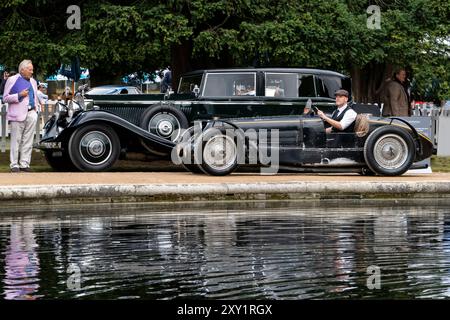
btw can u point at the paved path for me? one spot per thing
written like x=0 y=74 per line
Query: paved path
x=134 y=178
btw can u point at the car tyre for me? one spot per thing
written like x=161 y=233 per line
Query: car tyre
x=219 y=153
x=94 y=147
x=166 y=122
x=389 y=151
x=188 y=138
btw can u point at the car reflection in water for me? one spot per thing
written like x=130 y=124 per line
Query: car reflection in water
x=267 y=250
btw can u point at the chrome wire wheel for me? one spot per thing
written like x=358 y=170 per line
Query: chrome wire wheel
x=95 y=147
x=390 y=151
x=219 y=153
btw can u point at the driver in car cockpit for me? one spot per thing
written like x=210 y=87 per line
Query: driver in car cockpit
x=343 y=118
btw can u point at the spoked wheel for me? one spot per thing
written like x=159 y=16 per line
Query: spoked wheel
x=95 y=147
x=219 y=156
x=389 y=151
x=166 y=122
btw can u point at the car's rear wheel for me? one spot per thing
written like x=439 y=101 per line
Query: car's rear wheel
x=219 y=156
x=166 y=122
x=95 y=147
x=389 y=151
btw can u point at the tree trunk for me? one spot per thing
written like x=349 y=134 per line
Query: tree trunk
x=181 y=61
x=368 y=82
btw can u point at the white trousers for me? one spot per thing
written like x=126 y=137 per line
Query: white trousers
x=22 y=134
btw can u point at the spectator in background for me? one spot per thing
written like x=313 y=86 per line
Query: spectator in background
x=396 y=97
x=43 y=98
x=166 y=81
x=23 y=105
x=67 y=94
x=3 y=81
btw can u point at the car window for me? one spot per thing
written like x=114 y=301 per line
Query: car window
x=188 y=83
x=281 y=85
x=328 y=85
x=230 y=84
x=306 y=87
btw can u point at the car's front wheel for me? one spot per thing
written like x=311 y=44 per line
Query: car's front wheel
x=389 y=151
x=94 y=147
x=219 y=156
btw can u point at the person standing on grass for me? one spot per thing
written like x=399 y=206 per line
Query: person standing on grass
x=23 y=104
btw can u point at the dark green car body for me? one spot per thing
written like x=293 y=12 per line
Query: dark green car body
x=218 y=96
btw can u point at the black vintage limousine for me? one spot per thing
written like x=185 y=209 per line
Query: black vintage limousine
x=90 y=135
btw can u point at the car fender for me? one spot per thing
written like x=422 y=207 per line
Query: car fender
x=114 y=120
x=415 y=135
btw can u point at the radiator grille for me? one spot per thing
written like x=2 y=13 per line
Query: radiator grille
x=131 y=114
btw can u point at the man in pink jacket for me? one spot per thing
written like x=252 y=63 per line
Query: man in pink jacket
x=23 y=104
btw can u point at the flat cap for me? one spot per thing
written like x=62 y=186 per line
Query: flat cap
x=341 y=92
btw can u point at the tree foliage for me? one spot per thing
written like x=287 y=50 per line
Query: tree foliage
x=118 y=37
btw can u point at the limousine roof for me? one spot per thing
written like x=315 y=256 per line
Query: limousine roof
x=299 y=70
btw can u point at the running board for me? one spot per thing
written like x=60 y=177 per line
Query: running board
x=320 y=169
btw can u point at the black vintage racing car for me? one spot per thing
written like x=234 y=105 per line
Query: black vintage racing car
x=381 y=146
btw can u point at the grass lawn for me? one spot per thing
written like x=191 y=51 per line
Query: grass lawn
x=440 y=164
x=138 y=163
x=38 y=162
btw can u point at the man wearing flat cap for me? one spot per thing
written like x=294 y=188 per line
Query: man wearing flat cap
x=343 y=118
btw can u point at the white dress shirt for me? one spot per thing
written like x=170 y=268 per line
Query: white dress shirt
x=349 y=117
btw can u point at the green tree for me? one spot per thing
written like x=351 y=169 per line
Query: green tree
x=119 y=37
